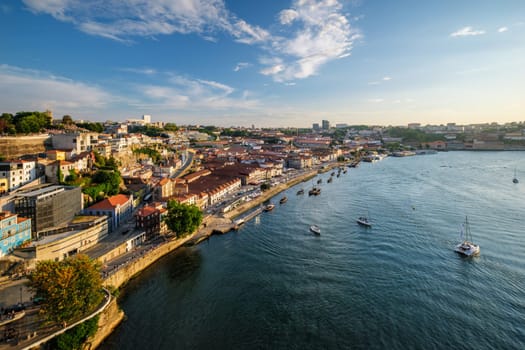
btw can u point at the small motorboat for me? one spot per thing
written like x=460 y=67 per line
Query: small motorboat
x=301 y=191
x=269 y=207
x=315 y=229
x=363 y=220
x=283 y=200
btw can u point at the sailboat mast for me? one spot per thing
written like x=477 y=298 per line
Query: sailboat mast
x=468 y=236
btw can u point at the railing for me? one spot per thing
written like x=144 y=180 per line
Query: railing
x=63 y=330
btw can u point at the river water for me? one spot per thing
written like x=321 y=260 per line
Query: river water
x=397 y=285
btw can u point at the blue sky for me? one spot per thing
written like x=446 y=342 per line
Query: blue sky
x=268 y=63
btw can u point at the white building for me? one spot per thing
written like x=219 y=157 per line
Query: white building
x=16 y=173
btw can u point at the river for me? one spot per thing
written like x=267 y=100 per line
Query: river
x=397 y=285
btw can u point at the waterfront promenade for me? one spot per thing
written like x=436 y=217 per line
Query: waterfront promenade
x=118 y=271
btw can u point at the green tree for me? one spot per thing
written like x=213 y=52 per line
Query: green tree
x=182 y=219
x=170 y=127
x=74 y=339
x=69 y=289
x=67 y=120
x=109 y=179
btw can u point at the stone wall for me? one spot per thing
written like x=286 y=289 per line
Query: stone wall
x=132 y=268
x=13 y=147
x=109 y=319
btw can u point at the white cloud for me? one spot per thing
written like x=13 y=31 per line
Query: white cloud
x=373 y=83
x=144 y=71
x=467 y=31
x=387 y=78
x=122 y=19
x=502 y=29
x=241 y=65
x=22 y=89
x=184 y=93
x=311 y=32
x=320 y=33
x=248 y=34
x=288 y=16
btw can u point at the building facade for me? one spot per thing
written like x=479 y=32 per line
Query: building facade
x=16 y=173
x=48 y=207
x=14 y=231
x=82 y=234
x=117 y=208
x=77 y=141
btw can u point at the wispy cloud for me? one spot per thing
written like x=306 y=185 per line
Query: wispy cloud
x=30 y=89
x=183 y=93
x=375 y=100
x=317 y=32
x=384 y=79
x=503 y=29
x=144 y=71
x=241 y=65
x=310 y=33
x=122 y=20
x=467 y=31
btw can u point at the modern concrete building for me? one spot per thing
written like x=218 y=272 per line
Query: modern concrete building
x=82 y=233
x=326 y=124
x=14 y=231
x=49 y=207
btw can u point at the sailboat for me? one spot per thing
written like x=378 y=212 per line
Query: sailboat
x=466 y=247
x=515 y=179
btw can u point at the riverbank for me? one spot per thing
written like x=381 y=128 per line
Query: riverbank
x=211 y=225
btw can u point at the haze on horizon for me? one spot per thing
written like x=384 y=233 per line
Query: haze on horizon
x=276 y=63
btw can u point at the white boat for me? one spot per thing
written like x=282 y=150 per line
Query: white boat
x=364 y=221
x=269 y=207
x=466 y=247
x=315 y=229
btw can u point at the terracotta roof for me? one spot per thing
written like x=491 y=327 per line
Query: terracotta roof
x=164 y=181
x=110 y=203
x=147 y=211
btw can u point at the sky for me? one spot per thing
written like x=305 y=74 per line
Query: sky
x=276 y=63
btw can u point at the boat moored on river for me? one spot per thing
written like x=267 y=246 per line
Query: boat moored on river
x=269 y=207
x=315 y=229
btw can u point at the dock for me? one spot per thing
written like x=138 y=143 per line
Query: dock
x=249 y=216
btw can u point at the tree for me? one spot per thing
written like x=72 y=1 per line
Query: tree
x=182 y=219
x=110 y=179
x=69 y=289
x=67 y=120
x=76 y=337
x=170 y=127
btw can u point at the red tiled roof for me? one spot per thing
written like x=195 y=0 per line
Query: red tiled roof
x=146 y=211
x=110 y=203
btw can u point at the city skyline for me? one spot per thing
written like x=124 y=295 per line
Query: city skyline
x=284 y=63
